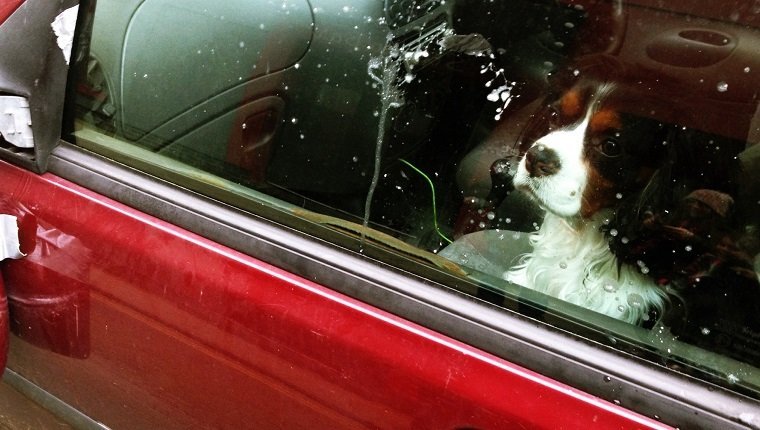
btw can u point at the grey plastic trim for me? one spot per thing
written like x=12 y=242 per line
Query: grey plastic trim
x=49 y=402
x=632 y=382
x=32 y=66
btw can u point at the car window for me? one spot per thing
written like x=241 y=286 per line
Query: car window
x=591 y=164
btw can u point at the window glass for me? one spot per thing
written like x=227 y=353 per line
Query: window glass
x=590 y=163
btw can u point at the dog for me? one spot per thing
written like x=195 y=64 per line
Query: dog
x=616 y=175
x=588 y=154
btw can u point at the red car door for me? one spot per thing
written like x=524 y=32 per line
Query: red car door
x=171 y=330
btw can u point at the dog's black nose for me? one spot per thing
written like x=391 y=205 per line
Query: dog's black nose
x=541 y=161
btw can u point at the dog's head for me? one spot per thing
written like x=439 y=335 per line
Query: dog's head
x=610 y=139
x=587 y=149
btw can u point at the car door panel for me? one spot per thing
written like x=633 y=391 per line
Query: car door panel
x=185 y=333
x=235 y=42
x=222 y=56
x=133 y=310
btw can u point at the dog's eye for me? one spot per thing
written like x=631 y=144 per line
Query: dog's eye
x=610 y=147
x=552 y=117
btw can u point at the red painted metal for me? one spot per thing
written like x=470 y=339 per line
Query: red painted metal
x=51 y=312
x=3 y=326
x=7 y=7
x=184 y=333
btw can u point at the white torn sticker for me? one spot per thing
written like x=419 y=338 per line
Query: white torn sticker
x=63 y=27
x=16 y=121
x=9 y=242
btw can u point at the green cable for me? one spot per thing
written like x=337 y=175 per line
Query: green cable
x=432 y=190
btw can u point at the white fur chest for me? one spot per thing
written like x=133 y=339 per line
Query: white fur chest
x=575 y=264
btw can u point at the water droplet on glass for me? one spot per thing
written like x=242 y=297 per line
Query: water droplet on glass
x=722 y=87
x=688 y=248
x=635 y=300
x=294 y=120
x=732 y=379
x=563 y=265
x=607 y=379
x=746 y=69
x=491 y=216
x=482 y=225
x=619 y=196
x=705 y=331
x=613 y=232
x=610 y=287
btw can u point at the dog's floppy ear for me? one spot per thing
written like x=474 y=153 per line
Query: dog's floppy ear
x=682 y=231
x=649 y=223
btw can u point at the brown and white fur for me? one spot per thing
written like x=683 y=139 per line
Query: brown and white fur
x=589 y=156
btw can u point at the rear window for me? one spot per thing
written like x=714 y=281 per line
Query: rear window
x=591 y=164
